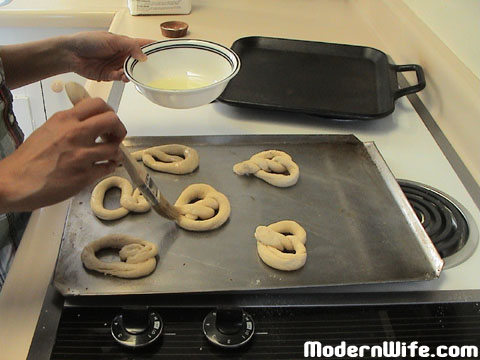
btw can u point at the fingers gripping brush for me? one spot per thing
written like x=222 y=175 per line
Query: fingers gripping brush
x=139 y=175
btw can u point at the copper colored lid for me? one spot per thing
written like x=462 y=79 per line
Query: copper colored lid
x=174 y=29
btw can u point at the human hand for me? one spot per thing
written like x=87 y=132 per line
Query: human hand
x=62 y=157
x=99 y=55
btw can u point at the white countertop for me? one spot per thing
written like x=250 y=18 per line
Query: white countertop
x=60 y=13
x=62 y=6
x=216 y=20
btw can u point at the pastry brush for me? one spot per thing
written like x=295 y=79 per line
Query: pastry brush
x=140 y=177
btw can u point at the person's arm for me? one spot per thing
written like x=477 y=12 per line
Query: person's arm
x=96 y=55
x=61 y=157
x=34 y=61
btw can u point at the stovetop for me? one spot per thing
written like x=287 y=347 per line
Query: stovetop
x=448 y=224
x=280 y=332
x=441 y=311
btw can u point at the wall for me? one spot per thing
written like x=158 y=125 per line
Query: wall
x=456 y=23
x=452 y=90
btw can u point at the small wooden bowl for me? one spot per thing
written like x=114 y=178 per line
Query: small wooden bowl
x=174 y=29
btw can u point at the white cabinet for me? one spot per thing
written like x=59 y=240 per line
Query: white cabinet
x=53 y=101
x=28 y=107
x=35 y=103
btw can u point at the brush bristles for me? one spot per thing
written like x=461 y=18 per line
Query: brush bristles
x=165 y=209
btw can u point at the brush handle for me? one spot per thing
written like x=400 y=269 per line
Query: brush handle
x=77 y=93
x=138 y=174
x=140 y=177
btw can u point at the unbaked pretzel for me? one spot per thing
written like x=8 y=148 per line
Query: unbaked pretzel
x=270 y=166
x=271 y=241
x=137 y=255
x=128 y=202
x=172 y=158
x=209 y=211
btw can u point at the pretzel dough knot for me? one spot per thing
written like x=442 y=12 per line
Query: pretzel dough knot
x=137 y=255
x=128 y=202
x=273 y=239
x=273 y=166
x=202 y=208
x=172 y=158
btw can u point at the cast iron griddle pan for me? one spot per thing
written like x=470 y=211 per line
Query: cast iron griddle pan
x=325 y=79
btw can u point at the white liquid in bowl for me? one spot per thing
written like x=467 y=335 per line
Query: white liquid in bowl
x=182 y=82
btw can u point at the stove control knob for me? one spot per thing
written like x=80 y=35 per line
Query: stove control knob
x=228 y=327
x=136 y=326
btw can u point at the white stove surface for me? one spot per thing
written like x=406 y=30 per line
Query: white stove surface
x=402 y=138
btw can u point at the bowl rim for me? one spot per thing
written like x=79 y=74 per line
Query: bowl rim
x=130 y=63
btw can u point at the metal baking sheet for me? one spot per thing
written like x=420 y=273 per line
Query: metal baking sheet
x=360 y=228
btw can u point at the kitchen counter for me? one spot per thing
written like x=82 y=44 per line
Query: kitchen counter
x=348 y=22
x=60 y=13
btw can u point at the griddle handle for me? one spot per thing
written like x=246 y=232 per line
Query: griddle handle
x=410 y=89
